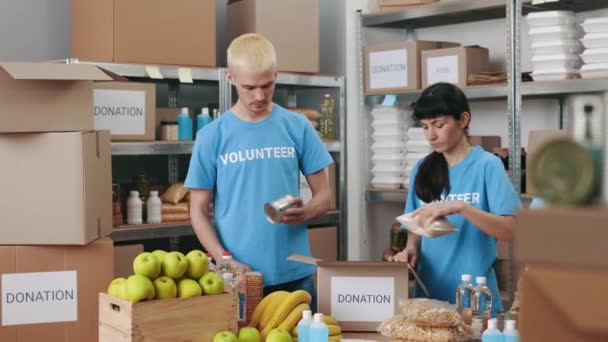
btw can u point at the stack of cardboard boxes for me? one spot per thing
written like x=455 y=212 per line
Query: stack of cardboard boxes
x=55 y=256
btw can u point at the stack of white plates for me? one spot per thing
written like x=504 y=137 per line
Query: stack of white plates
x=389 y=125
x=417 y=148
x=555 y=45
x=595 y=41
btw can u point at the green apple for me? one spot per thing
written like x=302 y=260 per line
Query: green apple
x=165 y=288
x=197 y=264
x=174 y=265
x=188 y=288
x=279 y=335
x=146 y=264
x=249 y=334
x=118 y=288
x=160 y=254
x=212 y=284
x=139 y=288
x=225 y=336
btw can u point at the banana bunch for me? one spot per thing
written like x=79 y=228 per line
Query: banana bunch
x=280 y=309
x=335 y=332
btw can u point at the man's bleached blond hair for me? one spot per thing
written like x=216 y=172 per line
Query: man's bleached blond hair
x=253 y=52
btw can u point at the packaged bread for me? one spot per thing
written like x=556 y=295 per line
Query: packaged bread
x=178 y=217
x=311 y=114
x=170 y=208
x=398 y=328
x=430 y=312
x=175 y=193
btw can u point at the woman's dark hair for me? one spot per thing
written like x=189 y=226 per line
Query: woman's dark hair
x=439 y=99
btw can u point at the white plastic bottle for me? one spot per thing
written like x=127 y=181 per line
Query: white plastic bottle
x=134 y=208
x=482 y=300
x=464 y=293
x=304 y=326
x=318 y=330
x=154 y=207
x=510 y=333
x=492 y=334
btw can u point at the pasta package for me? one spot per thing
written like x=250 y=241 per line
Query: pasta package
x=400 y=329
x=175 y=193
x=430 y=312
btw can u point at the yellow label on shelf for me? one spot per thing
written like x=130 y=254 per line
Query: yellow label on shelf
x=185 y=75
x=153 y=72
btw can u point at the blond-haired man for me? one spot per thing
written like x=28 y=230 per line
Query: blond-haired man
x=250 y=155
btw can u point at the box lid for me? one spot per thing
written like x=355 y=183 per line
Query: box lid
x=579 y=297
x=53 y=71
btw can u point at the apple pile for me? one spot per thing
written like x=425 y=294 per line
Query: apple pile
x=164 y=275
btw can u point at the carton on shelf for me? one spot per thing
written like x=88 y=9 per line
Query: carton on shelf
x=359 y=294
x=453 y=65
x=57 y=188
x=49 y=293
x=47 y=97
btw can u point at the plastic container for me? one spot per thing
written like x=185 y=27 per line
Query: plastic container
x=595 y=25
x=318 y=330
x=549 y=33
x=596 y=70
x=388 y=157
x=595 y=40
x=396 y=139
x=184 y=125
x=389 y=164
x=464 y=294
x=389 y=175
x=482 y=299
x=556 y=47
x=154 y=206
x=389 y=147
x=544 y=62
x=550 y=18
x=598 y=55
x=418 y=146
x=387 y=182
x=492 y=334
x=510 y=332
x=388 y=168
x=390 y=113
x=557 y=74
x=203 y=119
x=413 y=158
x=134 y=208
x=304 y=326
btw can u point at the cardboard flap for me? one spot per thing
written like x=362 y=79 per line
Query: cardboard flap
x=54 y=71
x=303 y=259
x=581 y=299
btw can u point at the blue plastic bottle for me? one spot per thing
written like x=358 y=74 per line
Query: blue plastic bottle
x=304 y=326
x=203 y=119
x=318 y=330
x=510 y=333
x=492 y=334
x=184 y=125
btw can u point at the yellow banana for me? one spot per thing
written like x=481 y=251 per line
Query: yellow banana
x=294 y=317
x=291 y=301
x=274 y=300
x=329 y=320
x=259 y=309
x=334 y=330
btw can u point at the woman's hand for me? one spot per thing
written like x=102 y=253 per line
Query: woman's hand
x=430 y=212
x=409 y=255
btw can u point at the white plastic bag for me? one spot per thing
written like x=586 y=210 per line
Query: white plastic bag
x=438 y=228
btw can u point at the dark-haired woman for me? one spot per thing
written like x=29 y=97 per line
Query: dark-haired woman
x=465 y=184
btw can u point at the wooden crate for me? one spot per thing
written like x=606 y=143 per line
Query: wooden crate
x=185 y=320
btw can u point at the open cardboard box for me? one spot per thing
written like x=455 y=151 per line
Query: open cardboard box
x=359 y=294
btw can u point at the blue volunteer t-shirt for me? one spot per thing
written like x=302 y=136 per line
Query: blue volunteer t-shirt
x=247 y=164
x=481 y=181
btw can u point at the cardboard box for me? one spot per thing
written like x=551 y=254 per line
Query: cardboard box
x=395 y=67
x=147 y=32
x=359 y=294
x=537 y=139
x=49 y=293
x=488 y=142
x=294 y=33
x=323 y=244
x=123 y=259
x=167 y=320
x=126 y=109
x=453 y=65
x=57 y=188
x=44 y=97
x=563 y=304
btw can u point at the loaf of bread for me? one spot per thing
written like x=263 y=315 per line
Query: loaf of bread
x=179 y=208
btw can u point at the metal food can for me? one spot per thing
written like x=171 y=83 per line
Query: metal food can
x=275 y=209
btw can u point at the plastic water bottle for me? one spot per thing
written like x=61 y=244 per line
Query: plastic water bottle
x=203 y=119
x=134 y=208
x=154 y=208
x=184 y=125
x=510 y=333
x=482 y=300
x=304 y=326
x=463 y=298
x=318 y=330
x=492 y=334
